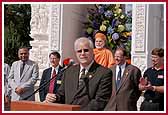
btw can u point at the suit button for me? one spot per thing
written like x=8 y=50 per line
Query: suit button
x=150 y=101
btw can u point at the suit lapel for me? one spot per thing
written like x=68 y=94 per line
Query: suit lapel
x=48 y=77
x=27 y=66
x=74 y=80
x=114 y=80
x=92 y=70
x=90 y=75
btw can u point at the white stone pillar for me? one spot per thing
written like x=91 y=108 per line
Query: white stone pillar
x=45 y=30
x=139 y=41
x=147 y=33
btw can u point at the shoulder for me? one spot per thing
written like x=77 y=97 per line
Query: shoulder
x=6 y=66
x=113 y=67
x=102 y=70
x=32 y=62
x=148 y=70
x=60 y=67
x=15 y=63
x=107 y=50
x=47 y=69
x=132 y=66
x=73 y=67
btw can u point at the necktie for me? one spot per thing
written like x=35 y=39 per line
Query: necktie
x=81 y=78
x=22 y=68
x=118 y=78
x=52 y=82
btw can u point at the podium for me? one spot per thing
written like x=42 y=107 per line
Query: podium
x=40 y=106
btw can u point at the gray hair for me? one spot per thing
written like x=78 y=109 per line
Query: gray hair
x=83 y=40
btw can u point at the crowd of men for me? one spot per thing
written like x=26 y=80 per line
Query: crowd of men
x=87 y=83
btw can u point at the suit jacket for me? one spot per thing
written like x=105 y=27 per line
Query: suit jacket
x=93 y=95
x=125 y=98
x=27 y=80
x=46 y=77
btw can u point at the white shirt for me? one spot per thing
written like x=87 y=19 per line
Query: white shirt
x=86 y=68
x=56 y=70
x=122 y=70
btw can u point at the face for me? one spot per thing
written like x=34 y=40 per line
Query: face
x=84 y=53
x=99 y=43
x=119 y=58
x=23 y=54
x=156 y=60
x=54 y=60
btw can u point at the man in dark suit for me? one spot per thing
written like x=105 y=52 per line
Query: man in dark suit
x=48 y=74
x=125 y=91
x=87 y=84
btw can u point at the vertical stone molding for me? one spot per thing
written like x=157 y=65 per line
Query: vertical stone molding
x=138 y=52
x=45 y=30
x=55 y=20
x=147 y=33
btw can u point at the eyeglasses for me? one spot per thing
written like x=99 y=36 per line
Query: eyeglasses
x=85 y=50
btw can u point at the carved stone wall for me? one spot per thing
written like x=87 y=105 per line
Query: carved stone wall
x=147 y=33
x=45 y=30
x=139 y=36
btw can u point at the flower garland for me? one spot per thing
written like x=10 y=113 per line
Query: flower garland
x=110 y=19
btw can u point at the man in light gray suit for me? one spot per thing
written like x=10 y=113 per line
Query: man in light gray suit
x=23 y=76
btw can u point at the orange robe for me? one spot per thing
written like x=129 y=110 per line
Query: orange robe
x=104 y=57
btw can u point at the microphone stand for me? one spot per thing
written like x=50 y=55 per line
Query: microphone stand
x=46 y=83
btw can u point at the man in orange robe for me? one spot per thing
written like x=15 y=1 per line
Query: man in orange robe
x=103 y=56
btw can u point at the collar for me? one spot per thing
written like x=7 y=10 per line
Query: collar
x=122 y=66
x=88 y=67
x=160 y=68
x=56 y=69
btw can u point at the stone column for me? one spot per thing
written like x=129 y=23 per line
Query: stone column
x=147 y=33
x=45 y=30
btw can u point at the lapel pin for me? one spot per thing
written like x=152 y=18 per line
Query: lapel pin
x=90 y=76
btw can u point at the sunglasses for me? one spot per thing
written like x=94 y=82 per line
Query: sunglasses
x=85 y=50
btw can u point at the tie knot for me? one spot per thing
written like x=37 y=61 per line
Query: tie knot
x=23 y=63
x=54 y=73
x=83 y=71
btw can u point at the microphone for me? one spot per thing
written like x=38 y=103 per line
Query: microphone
x=47 y=82
x=70 y=63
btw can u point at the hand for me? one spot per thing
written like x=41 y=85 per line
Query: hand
x=19 y=90
x=149 y=86
x=7 y=102
x=50 y=98
x=143 y=81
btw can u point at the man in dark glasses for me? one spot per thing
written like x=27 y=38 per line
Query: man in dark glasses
x=87 y=84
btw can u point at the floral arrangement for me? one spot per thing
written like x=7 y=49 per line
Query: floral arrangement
x=110 y=19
